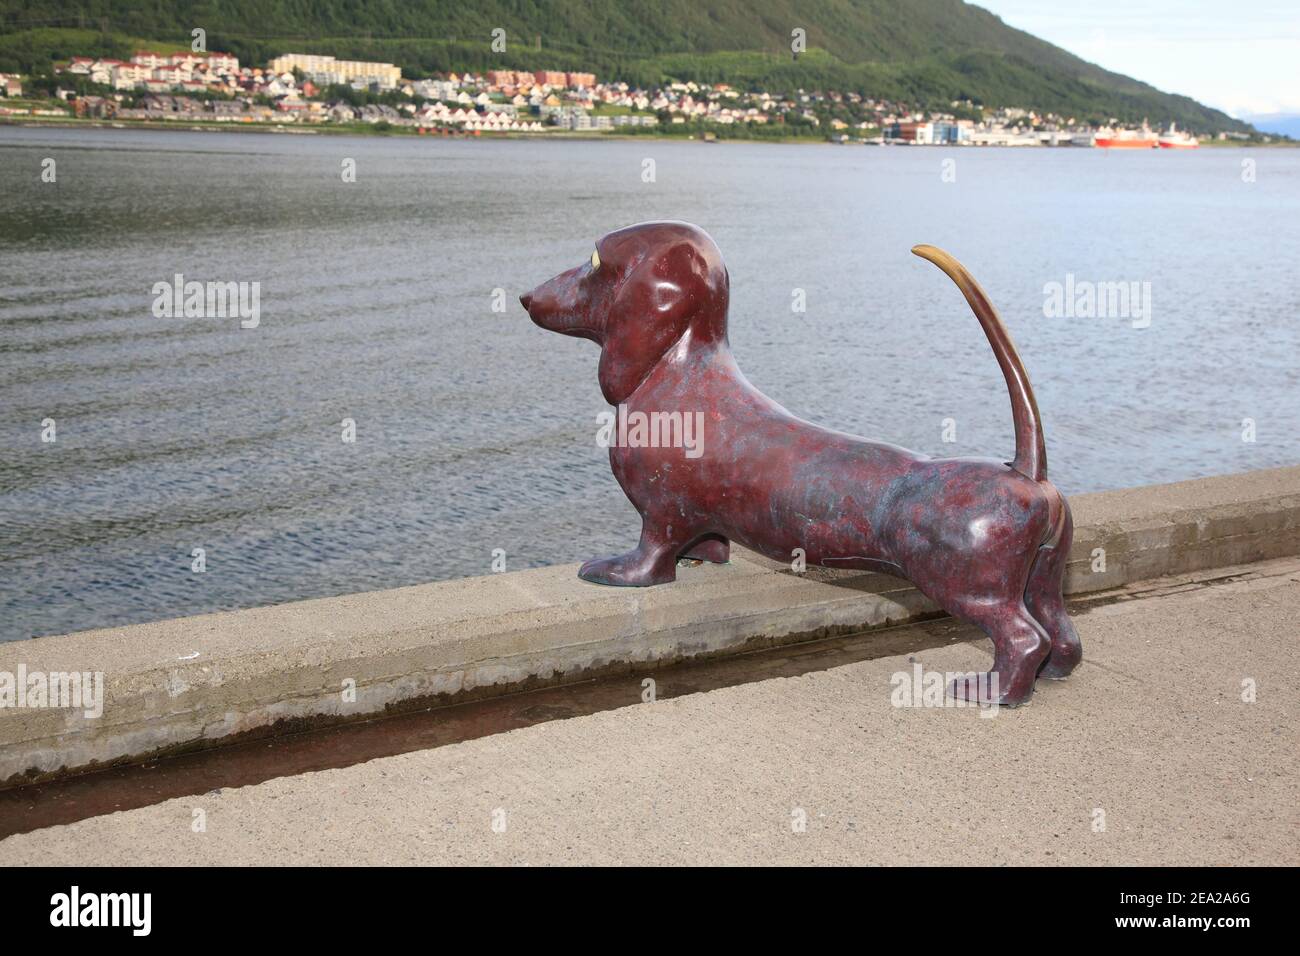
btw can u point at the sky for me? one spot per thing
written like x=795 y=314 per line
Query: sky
x=1242 y=57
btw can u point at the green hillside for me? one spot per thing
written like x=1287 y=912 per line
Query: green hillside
x=927 y=52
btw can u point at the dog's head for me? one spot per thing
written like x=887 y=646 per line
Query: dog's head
x=644 y=288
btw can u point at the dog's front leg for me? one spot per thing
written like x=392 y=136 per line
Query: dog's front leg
x=653 y=562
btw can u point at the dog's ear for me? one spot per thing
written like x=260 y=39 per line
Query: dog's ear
x=650 y=313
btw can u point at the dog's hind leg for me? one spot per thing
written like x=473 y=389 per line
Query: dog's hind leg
x=712 y=547
x=1019 y=646
x=1044 y=599
x=653 y=562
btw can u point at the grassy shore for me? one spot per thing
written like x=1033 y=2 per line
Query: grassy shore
x=372 y=129
x=382 y=129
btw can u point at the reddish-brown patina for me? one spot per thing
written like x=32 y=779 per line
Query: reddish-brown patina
x=986 y=540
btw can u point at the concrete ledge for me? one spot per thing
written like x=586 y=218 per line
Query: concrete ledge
x=193 y=682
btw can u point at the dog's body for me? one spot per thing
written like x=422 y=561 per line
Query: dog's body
x=985 y=540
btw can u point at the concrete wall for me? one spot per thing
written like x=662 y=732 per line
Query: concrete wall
x=192 y=682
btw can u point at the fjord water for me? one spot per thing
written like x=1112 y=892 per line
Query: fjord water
x=476 y=431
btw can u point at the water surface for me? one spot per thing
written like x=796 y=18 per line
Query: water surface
x=476 y=430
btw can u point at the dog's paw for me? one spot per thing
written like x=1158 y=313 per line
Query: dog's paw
x=713 y=550
x=1065 y=656
x=629 y=570
x=983 y=689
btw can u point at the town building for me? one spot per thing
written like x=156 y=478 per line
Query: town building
x=326 y=70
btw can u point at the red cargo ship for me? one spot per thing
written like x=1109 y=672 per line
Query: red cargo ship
x=1142 y=138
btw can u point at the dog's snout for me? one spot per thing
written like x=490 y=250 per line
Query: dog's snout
x=561 y=305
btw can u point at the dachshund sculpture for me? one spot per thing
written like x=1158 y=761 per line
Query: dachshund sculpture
x=986 y=540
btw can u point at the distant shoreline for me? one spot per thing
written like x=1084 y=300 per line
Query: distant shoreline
x=366 y=131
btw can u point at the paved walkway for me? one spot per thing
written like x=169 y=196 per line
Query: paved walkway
x=1147 y=755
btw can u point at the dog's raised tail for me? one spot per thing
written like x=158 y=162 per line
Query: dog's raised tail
x=1031 y=451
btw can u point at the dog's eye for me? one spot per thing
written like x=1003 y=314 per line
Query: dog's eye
x=595 y=260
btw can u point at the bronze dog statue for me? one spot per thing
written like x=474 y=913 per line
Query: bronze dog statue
x=986 y=540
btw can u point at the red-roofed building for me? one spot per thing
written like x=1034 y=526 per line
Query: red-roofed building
x=223 y=62
x=150 y=59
